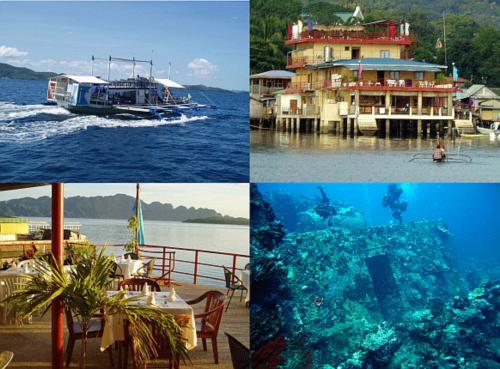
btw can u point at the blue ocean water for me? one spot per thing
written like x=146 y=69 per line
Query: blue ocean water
x=47 y=143
x=470 y=210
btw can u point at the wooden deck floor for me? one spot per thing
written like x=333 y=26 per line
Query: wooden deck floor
x=31 y=344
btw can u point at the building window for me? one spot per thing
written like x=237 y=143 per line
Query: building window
x=394 y=74
x=346 y=48
x=355 y=74
x=420 y=76
x=385 y=54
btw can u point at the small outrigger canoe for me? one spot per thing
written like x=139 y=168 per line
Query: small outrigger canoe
x=494 y=128
x=450 y=158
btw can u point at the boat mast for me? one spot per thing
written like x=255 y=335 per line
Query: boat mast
x=109 y=68
x=133 y=67
x=151 y=70
x=92 y=66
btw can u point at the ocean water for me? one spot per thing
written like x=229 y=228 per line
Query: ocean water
x=283 y=157
x=47 y=143
x=377 y=276
x=212 y=237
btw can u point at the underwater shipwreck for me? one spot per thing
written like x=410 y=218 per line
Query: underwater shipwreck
x=331 y=292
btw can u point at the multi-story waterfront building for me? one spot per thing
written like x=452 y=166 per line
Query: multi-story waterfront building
x=361 y=79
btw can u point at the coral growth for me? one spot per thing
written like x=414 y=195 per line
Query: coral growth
x=314 y=287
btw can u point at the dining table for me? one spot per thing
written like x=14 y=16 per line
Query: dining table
x=128 y=267
x=114 y=327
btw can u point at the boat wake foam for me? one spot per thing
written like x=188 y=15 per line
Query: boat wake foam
x=10 y=112
x=15 y=125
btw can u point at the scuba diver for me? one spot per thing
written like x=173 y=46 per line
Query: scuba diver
x=392 y=200
x=324 y=209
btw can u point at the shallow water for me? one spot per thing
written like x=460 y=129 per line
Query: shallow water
x=284 y=157
x=47 y=143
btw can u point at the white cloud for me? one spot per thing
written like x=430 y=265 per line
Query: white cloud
x=202 y=67
x=11 y=52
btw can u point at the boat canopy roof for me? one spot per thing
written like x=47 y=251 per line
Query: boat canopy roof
x=168 y=83
x=85 y=79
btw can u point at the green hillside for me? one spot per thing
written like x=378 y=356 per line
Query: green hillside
x=11 y=72
x=473 y=30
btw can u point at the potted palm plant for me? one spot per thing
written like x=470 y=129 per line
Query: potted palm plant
x=83 y=287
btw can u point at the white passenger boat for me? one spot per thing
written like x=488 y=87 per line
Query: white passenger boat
x=137 y=95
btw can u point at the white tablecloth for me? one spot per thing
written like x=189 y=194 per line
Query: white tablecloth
x=114 y=329
x=245 y=281
x=128 y=267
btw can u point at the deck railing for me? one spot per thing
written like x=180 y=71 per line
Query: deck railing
x=171 y=261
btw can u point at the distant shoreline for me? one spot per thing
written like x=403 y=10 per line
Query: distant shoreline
x=219 y=220
x=125 y=221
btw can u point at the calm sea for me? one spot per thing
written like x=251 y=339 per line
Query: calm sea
x=47 y=143
x=285 y=157
x=212 y=237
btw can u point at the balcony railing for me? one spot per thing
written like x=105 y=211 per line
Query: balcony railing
x=308 y=111
x=378 y=85
x=431 y=111
x=348 y=37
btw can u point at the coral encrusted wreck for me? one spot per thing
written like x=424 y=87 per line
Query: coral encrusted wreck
x=337 y=294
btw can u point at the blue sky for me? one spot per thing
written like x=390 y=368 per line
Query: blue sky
x=206 y=42
x=229 y=199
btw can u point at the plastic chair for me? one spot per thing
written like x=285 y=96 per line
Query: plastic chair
x=240 y=354
x=209 y=320
x=137 y=284
x=95 y=330
x=147 y=269
x=231 y=286
x=8 y=286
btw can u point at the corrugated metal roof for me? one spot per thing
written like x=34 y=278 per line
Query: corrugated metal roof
x=274 y=74
x=491 y=104
x=389 y=64
x=477 y=91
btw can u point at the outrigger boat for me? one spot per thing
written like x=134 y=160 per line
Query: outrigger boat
x=137 y=95
x=457 y=158
x=493 y=131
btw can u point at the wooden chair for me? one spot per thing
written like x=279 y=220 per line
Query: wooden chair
x=209 y=320
x=96 y=329
x=240 y=354
x=137 y=284
x=5 y=359
x=162 y=349
x=233 y=286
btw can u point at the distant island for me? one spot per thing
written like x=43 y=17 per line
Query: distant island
x=112 y=207
x=8 y=71
x=219 y=220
